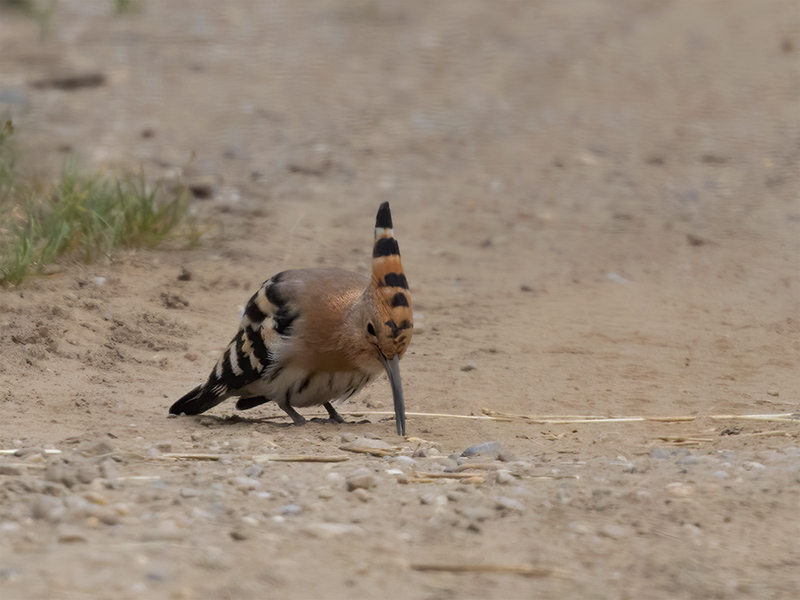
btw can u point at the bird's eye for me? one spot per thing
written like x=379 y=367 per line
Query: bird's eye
x=370 y=329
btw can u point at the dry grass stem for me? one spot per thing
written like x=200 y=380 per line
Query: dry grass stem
x=12 y=451
x=526 y=570
x=264 y=458
x=187 y=456
x=682 y=439
x=366 y=450
x=478 y=466
x=791 y=417
x=446 y=475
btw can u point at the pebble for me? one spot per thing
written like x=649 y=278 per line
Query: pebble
x=405 y=460
x=615 y=532
x=504 y=477
x=579 y=527
x=475 y=513
x=679 y=489
x=506 y=456
x=289 y=510
x=363 y=478
x=433 y=499
x=10 y=470
x=108 y=469
x=486 y=449
x=753 y=466
x=245 y=484
x=508 y=504
x=335 y=478
x=330 y=530
x=71 y=536
x=455 y=495
x=369 y=443
x=362 y=494
x=419 y=453
x=77 y=506
x=215 y=558
x=254 y=471
x=95 y=498
x=23 y=452
x=239 y=534
x=190 y=492
x=721 y=474
x=58 y=472
x=250 y=521
x=659 y=453
x=48 y=508
x=98 y=448
x=347 y=437
x=325 y=493
x=773 y=391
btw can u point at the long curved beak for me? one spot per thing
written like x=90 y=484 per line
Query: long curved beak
x=393 y=371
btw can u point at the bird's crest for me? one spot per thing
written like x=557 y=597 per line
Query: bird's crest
x=389 y=279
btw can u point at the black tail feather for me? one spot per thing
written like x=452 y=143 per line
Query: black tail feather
x=197 y=401
x=253 y=401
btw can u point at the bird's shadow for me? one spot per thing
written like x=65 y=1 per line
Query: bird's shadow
x=220 y=421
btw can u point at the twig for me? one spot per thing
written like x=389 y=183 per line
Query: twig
x=766 y=433
x=478 y=466
x=682 y=439
x=570 y=419
x=791 y=417
x=12 y=451
x=312 y=458
x=493 y=415
x=526 y=570
x=446 y=475
x=367 y=450
x=187 y=456
x=377 y=413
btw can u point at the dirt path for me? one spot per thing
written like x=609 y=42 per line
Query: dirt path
x=598 y=210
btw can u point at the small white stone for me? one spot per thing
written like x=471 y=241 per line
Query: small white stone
x=510 y=504
x=504 y=477
x=753 y=466
x=679 y=489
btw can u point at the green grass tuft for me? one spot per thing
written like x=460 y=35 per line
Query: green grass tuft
x=85 y=218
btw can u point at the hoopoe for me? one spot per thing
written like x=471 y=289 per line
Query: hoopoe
x=311 y=336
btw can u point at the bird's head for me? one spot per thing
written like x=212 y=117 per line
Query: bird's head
x=388 y=321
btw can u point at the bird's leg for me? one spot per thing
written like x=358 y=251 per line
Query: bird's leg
x=296 y=416
x=334 y=416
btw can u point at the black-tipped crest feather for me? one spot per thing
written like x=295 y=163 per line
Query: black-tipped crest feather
x=384 y=218
x=386 y=247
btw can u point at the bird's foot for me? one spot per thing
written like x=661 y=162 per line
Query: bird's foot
x=297 y=418
x=335 y=417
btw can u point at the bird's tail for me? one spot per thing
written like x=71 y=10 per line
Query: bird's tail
x=197 y=401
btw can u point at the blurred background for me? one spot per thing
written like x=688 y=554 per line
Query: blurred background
x=547 y=146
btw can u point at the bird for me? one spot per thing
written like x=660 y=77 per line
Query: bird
x=309 y=337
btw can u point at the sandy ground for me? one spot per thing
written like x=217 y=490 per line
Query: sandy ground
x=597 y=205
